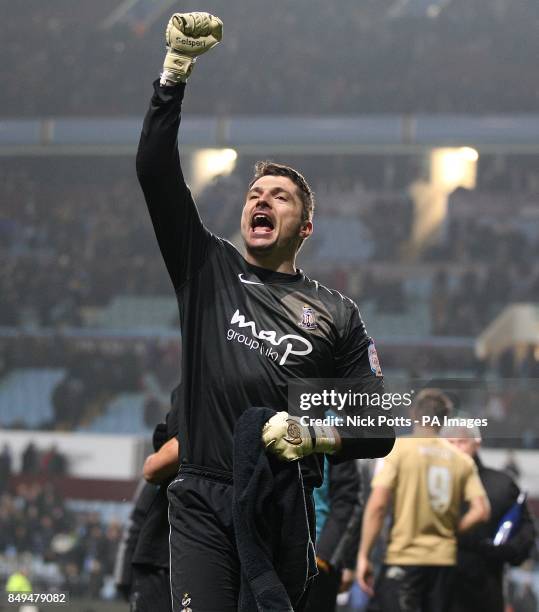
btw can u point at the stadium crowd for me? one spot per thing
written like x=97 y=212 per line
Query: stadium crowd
x=58 y=233
x=147 y=367
x=71 y=246
x=38 y=532
x=452 y=61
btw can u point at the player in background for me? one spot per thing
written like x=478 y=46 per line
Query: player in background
x=249 y=324
x=480 y=566
x=338 y=524
x=142 y=561
x=424 y=482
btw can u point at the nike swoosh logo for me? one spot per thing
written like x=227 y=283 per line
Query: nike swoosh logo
x=247 y=282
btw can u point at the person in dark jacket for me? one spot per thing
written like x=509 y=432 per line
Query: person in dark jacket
x=142 y=576
x=480 y=564
x=142 y=563
x=338 y=525
x=6 y=461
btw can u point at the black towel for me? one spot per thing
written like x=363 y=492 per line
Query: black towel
x=271 y=522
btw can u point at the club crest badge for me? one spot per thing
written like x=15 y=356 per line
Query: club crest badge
x=374 y=362
x=308 y=320
x=293 y=433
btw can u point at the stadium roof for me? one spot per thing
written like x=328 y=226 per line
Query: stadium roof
x=262 y=134
x=517 y=325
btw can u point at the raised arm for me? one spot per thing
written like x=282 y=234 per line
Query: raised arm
x=373 y=521
x=182 y=237
x=478 y=512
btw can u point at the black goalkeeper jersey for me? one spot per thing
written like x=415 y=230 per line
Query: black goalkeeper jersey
x=245 y=330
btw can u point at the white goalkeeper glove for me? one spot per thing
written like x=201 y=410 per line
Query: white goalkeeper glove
x=287 y=438
x=188 y=35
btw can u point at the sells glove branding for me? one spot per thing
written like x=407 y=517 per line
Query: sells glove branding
x=190 y=42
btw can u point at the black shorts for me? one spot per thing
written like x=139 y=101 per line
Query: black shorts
x=414 y=588
x=323 y=592
x=204 y=565
x=481 y=590
x=205 y=570
x=150 y=589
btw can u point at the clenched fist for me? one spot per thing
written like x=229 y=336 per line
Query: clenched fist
x=188 y=35
x=285 y=437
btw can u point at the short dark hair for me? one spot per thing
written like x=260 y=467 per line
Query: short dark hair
x=306 y=194
x=432 y=402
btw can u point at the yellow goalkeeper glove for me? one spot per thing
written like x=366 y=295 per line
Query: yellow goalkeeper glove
x=287 y=438
x=188 y=35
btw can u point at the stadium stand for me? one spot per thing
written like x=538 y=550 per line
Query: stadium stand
x=123 y=415
x=452 y=60
x=353 y=245
x=85 y=295
x=413 y=320
x=136 y=376
x=81 y=252
x=26 y=397
x=136 y=312
x=107 y=511
x=70 y=549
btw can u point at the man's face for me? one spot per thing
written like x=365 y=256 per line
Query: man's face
x=272 y=216
x=466 y=445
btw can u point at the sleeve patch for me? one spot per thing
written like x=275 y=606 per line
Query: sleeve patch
x=374 y=362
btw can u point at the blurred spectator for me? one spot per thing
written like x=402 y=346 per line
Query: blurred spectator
x=524 y=598
x=529 y=366
x=152 y=411
x=30 y=459
x=18 y=583
x=511 y=466
x=53 y=462
x=439 y=304
x=5 y=466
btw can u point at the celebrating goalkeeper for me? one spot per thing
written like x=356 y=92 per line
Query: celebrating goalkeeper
x=249 y=323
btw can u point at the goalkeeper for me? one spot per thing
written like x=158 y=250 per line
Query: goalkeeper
x=249 y=323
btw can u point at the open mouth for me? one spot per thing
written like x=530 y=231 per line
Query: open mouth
x=261 y=224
